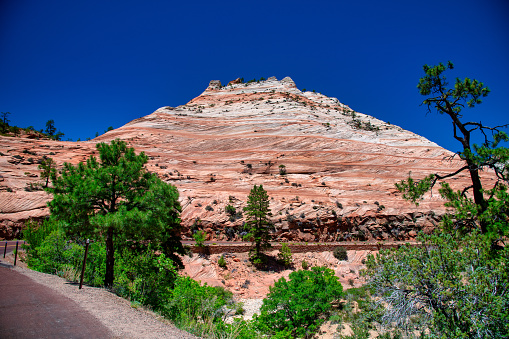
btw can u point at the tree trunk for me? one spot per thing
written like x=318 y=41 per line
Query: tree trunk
x=110 y=259
x=478 y=195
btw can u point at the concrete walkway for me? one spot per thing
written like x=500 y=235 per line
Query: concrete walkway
x=31 y=310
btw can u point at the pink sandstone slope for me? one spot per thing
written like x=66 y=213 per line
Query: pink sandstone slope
x=340 y=165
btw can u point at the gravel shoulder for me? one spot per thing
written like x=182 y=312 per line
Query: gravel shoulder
x=112 y=311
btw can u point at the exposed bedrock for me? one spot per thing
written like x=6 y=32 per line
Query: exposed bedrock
x=329 y=171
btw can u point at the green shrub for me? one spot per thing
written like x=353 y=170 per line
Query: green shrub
x=200 y=237
x=285 y=255
x=58 y=255
x=340 y=253
x=34 y=234
x=229 y=209
x=222 y=261
x=299 y=306
x=191 y=301
x=144 y=276
x=305 y=265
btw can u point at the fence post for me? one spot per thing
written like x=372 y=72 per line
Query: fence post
x=5 y=248
x=16 y=253
x=84 y=263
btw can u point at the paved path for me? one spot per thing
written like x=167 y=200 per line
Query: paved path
x=31 y=310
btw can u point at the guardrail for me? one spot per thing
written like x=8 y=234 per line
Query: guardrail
x=12 y=245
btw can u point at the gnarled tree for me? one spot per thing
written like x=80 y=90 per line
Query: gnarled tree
x=451 y=102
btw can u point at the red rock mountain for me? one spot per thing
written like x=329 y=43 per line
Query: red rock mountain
x=340 y=165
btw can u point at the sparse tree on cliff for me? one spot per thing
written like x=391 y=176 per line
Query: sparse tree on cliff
x=4 y=123
x=50 y=127
x=117 y=200
x=49 y=171
x=4 y=116
x=258 y=223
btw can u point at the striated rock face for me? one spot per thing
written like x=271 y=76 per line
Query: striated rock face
x=329 y=171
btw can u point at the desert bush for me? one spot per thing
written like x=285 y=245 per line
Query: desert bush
x=229 y=209
x=221 y=261
x=340 y=253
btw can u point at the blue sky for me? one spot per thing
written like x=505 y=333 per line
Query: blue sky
x=93 y=64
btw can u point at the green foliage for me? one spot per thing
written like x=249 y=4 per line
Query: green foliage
x=455 y=286
x=304 y=265
x=285 y=255
x=465 y=91
x=282 y=169
x=229 y=209
x=34 y=234
x=414 y=190
x=221 y=261
x=56 y=255
x=340 y=253
x=258 y=223
x=116 y=199
x=200 y=237
x=300 y=305
x=191 y=301
x=50 y=251
x=144 y=277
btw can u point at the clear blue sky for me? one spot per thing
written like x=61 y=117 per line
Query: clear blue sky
x=93 y=64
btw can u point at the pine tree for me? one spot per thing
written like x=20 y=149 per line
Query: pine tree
x=258 y=223
x=117 y=200
x=48 y=168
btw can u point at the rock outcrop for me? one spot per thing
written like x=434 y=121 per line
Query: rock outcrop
x=329 y=171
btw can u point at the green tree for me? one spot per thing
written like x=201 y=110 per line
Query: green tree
x=4 y=116
x=4 y=123
x=117 y=200
x=451 y=101
x=299 y=305
x=48 y=168
x=258 y=223
x=50 y=127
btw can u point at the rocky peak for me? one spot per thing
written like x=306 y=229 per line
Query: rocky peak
x=340 y=165
x=214 y=84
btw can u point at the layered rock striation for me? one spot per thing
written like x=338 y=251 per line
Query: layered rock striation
x=329 y=171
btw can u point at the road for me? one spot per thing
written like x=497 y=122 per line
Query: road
x=31 y=310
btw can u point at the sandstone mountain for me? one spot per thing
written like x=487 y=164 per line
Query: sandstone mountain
x=329 y=171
